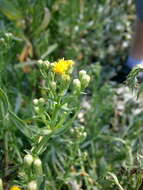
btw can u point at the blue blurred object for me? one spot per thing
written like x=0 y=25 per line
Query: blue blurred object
x=132 y=62
x=139 y=8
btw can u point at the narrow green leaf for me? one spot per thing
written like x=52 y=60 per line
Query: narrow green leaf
x=20 y=125
x=116 y=180
x=43 y=184
x=4 y=104
x=42 y=146
x=9 y=10
x=49 y=50
x=46 y=20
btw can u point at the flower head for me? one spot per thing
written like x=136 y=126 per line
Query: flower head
x=15 y=188
x=62 y=66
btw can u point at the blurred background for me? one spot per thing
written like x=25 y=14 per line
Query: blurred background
x=85 y=31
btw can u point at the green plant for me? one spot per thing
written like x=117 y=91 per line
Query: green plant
x=55 y=113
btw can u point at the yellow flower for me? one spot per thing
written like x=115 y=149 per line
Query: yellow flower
x=15 y=188
x=62 y=66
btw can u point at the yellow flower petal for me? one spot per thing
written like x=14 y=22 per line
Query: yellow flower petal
x=62 y=66
x=15 y=188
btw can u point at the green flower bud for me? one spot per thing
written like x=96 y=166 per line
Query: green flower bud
x=53 y=85
x=65 y=84
x=72 y=131
x=35 y=102
x=81 y=74
x=37 y=164
x=82 y=128
x=1 y=184
x=85 y=134
x=85 y=80
x=85 y=155
x=46 y=64
x=2 y=40
x=36 y=108
x=28 y=159
x=76 y=85
x=80 y=134
x=41 y=100
x=8 y=35
x=40 y=62
x=32 y=185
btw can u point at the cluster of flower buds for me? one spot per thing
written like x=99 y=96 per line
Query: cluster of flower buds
x=82 y=82
x=33 y=163
x=8 y=35
x=79 y=133
x=38 y=102
x=44 y=64
x=84 y=78
x=6 y=39
x=85 y=155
